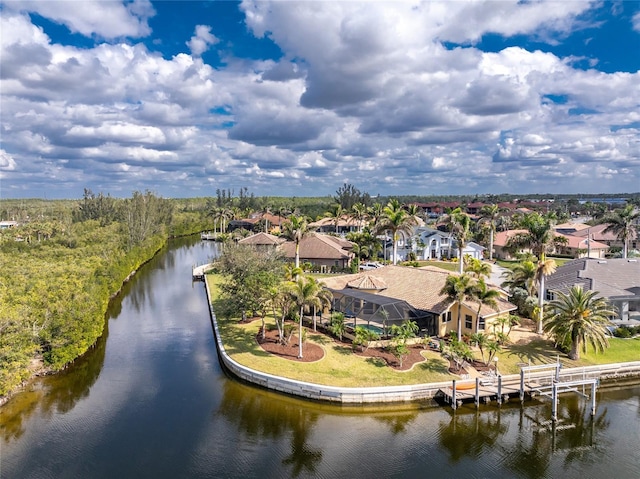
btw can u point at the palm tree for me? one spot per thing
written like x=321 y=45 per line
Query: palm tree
x=397 y=220
x=359 y=214
x=458 y=289
x=521 y=275
x=295 y=229
x=484 y=295
x=623 y=224
x=481 y=340
x=539 y=237
x=335 y=213
x=478 y=268
x=581 y=318
x=489 y=215
x=304 y=293
x=459 y=224
x=544 y=269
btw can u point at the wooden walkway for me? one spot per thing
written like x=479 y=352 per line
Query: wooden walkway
x=488 y=388
x=198 y=272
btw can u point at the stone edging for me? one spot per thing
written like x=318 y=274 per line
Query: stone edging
x=383 y=394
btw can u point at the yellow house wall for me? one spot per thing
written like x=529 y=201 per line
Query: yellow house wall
x=445 y=327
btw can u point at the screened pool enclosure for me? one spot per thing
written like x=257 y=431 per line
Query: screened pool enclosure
x=378 y=312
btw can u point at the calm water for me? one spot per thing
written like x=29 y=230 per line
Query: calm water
x=152 y=401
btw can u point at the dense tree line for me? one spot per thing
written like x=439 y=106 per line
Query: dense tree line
x=62 y=263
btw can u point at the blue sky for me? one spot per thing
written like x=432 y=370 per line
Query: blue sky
x=294 y=98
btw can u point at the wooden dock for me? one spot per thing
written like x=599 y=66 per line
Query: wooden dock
x=482 y=389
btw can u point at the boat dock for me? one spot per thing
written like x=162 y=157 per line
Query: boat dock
x=482 y=389
x=198 y=272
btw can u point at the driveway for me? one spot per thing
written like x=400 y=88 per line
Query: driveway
x=496 y=277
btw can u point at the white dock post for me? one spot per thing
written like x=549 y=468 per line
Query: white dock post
x=554 y=402
x=593 y=398
x=521 y=385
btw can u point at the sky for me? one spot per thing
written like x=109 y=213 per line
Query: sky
x=296 y=98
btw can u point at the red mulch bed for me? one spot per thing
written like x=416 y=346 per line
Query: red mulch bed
x=310 y=351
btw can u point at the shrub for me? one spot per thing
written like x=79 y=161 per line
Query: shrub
x=622 y=332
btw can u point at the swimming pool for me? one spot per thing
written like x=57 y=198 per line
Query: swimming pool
x=370 y=327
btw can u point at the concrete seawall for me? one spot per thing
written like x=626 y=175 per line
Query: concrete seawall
x=390 y=394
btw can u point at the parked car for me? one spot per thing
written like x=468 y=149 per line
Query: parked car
x=369 y=266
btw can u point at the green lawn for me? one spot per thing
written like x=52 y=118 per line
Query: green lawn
x=340 y=367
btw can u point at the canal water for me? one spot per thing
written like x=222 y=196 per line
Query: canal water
x=151 y=401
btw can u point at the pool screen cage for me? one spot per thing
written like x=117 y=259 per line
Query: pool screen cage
x=373 y=309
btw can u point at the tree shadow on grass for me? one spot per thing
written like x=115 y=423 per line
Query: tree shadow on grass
x=345 y=351
x=377 y=362
x=240 y=340
x=432 y=365
x=320 y=339
x=538 y=351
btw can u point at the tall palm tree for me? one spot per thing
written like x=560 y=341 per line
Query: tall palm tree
x=624 y=224
x=521 y=275
x=489 y=215
x=581 y=318
x=336 y=212
x=459 y=224
x=539 y=237
x=304 y=293
x=484 y=295
x=397 y=220
x=458 y=289
x=544 y=269
x=359 y=214
x=295 y=229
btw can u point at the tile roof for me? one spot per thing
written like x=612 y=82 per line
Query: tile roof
x=319 y=246
x=262 y=239
x=420 y=287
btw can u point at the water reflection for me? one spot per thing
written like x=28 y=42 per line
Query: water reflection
x=59 y=393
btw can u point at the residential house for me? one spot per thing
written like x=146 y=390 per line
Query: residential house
x=262 y=240
x=575 y=246
x=346 y=224
x=323 y=251
x=257 y=222
x=392 y=294
x=617 y=280
x=596 y=233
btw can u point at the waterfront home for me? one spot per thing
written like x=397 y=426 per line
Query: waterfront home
x=324 y=252
x=392 y=294
x=615 y=279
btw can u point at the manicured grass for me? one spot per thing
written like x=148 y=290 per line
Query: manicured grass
x=341 y=367
x=448 y=265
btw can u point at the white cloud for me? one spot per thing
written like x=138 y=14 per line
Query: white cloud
x=202 y=40
x=363 y=93
x=111 y=19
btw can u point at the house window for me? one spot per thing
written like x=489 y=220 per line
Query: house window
x=549 y=295
x=480 y=323
x=446 y=317
x=468 y=321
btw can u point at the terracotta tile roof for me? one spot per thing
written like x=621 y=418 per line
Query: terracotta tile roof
x=573 y=241
x=580 y=242
x=597 y=233
x=319 y=246
x=420 y=287
x=262 y=239
x=368 y=281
